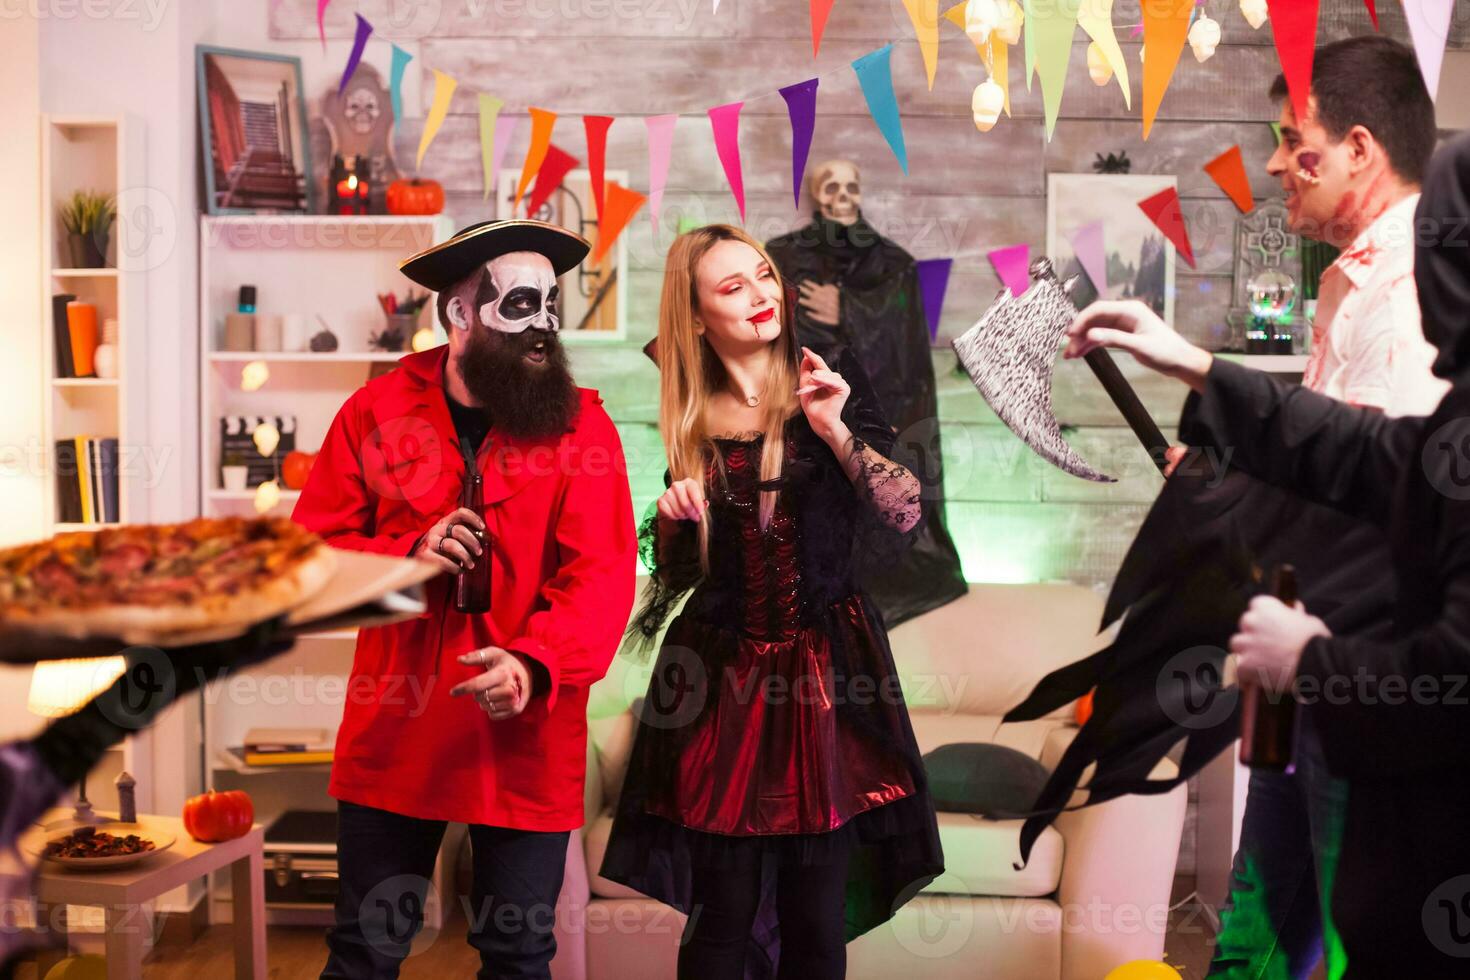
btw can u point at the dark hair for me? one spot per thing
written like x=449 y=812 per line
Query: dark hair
x=484 y=293
x=1374 y=82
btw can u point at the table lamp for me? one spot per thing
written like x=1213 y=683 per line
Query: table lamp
x=63 y=687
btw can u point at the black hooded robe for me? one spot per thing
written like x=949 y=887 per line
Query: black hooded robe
x=882 y=321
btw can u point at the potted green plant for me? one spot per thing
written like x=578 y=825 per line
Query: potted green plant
x=87 y=217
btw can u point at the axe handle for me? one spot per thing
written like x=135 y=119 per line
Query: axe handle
x=1123 y=396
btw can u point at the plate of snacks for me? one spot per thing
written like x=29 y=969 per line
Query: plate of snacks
x=109 y=845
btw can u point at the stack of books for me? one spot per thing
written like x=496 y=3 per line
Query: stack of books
x=86 y=480
x=285 y=747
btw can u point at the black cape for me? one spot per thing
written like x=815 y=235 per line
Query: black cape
x=1391 y=705
x=883 y=323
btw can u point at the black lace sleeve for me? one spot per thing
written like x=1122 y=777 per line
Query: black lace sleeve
x=672 y=561
x=892 y=496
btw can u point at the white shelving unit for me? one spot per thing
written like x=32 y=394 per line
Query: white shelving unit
x=327 y=268
x=103 y=154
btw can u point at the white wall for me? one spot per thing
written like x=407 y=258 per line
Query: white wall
x=22 y=477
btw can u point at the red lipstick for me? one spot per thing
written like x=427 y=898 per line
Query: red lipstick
x=763 y=315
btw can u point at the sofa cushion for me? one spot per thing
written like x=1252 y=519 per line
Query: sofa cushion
x=983 y=778
x=980 y=857
x=983 y=653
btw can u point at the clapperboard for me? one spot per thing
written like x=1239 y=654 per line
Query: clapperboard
x=237 y=439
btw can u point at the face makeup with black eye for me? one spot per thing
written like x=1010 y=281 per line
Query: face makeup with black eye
x=517 y=293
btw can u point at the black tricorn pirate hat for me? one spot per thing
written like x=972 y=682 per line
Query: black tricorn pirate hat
x=440 y=266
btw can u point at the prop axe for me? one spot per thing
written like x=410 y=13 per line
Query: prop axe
x=1009 y=354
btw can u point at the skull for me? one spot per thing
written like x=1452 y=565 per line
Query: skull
x=837 y=190
x=361 y=109
x=1204 y=37
x=518 y=291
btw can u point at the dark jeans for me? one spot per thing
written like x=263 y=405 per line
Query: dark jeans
x=809 y=909
x=1278 y=922
x=385 y=862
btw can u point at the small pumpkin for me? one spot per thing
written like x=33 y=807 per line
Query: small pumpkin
x=296 y=467
x=213 y=817
x=415 y=195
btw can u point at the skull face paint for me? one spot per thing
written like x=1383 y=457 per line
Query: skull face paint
x=517 y=292
x=838 y=191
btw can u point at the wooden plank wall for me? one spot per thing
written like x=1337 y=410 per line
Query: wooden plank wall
x=966 y=192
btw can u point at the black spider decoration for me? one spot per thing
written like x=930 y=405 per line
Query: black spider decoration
x=1113 y=163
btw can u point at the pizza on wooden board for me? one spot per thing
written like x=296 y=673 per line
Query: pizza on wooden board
x=147 y=580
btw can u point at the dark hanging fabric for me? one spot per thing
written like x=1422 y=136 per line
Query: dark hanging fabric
x=882 y=321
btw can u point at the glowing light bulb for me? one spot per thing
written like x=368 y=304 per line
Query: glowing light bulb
x=253 y=375
x=986 y=103
x=267 y=437
x=1098 y=68
x=267 y=495
x=1204 y=38
x=1254 y=12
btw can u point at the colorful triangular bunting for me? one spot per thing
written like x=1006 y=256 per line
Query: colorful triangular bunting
x=1012 y=264
x=489 y=161
x=1429 y=28
x=660 y=146
x=1164 y=210
x=1053 y=23
x=596 y=128
x=924 y=15
x=819 y=11
x=724 y=120
x=443 y=91
x=619 y=206
x=552 y=172
x=401 y=58
x=1294 y=29
x=359 y=40
x=801 y=108
x=877 y=84
x=542 y=121
x=933 y=279
x=1228 y=170
x=1165 y=28
x=1096 y=18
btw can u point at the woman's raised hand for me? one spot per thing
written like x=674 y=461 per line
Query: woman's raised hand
x=823 y=393
x=683 y=501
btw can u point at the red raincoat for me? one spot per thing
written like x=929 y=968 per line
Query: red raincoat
x=563 y=549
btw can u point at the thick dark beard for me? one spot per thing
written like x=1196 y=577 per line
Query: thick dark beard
x=525 y=400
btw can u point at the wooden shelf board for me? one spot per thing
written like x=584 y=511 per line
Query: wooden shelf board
x=318 y=357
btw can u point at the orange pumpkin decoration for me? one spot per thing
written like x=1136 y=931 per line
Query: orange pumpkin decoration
x=414 y=195
x=1084 y=707
x=213 y=817
x=295 y=468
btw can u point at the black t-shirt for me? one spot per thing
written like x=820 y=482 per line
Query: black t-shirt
x=470 y=422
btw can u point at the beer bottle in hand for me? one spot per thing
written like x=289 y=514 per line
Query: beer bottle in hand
x=1268 y=719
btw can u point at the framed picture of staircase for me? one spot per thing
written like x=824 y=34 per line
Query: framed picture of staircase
x=254 y=153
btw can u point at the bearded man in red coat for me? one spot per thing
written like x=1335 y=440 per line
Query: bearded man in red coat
x=477 y=718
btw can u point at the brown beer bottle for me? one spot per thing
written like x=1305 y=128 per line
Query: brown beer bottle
x=1268 y=721
x=472 y=586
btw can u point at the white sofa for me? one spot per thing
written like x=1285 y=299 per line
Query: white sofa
x=1094 y=895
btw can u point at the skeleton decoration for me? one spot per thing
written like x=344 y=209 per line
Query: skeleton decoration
x=518 y=291
x=359 y=122
x=1009 y=354
x=836 y=189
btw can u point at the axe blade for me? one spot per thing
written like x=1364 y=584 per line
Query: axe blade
x=1010 y=353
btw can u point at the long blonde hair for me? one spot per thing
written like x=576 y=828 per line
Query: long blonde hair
x=690 y=371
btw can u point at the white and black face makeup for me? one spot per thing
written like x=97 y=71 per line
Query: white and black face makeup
x=517 y=292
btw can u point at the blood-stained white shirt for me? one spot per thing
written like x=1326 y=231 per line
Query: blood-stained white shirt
x=1368 y=345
